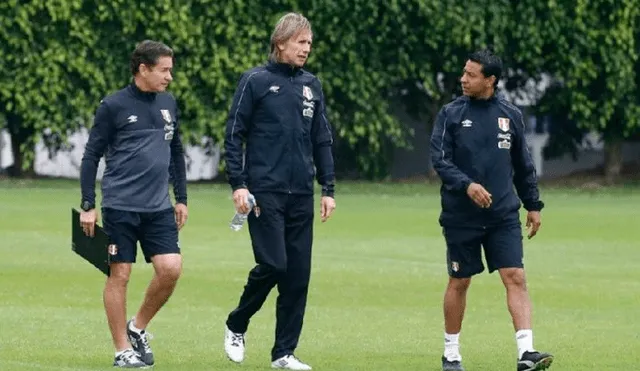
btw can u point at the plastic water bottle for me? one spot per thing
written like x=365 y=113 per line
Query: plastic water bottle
x=239 y=218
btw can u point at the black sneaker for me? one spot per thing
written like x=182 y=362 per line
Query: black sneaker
x=534 y=361
x=451 y=365
x=129 y=359
x=140 y=343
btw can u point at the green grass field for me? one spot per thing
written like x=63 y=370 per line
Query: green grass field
x=376 y=292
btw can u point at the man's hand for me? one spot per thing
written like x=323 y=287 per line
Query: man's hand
x=241 y=200
x=88 y=221
x=533 y=223
x=479 y=195
x=327 y=205
x=181 y=214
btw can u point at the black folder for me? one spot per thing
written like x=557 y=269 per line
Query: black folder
x=92 y=249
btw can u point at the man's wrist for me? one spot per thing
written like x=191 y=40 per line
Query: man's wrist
x=87 y=205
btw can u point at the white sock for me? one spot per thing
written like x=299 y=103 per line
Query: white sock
x=452 y=347
x=133 y=327
x=524 y=340
x=122 y=351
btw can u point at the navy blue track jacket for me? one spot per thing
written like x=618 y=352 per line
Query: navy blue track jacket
x=483 y=141
x=137 y=132
x=278 y=113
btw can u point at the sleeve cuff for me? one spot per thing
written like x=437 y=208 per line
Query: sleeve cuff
x=238 y=186
x=465 y=184
x=328 y=191
x=534 y=206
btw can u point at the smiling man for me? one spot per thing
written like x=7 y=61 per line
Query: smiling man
x=278 y=113
x=478 y=149
x=136 y=129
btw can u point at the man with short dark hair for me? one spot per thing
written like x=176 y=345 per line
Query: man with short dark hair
x=478 y=149
x=278 y=112
x=136 y=129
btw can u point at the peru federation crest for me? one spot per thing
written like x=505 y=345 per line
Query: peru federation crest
x=112 y=249
x=455 y=266
x=166 y=115
x=503 y=123
x=307 y=93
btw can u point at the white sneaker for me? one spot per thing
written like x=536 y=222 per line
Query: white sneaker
x=289 y=362
x=234 y=345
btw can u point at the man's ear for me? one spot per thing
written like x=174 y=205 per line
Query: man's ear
x=144 y=69
x=491 y=81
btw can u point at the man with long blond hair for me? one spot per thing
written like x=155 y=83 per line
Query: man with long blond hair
x=278 y=114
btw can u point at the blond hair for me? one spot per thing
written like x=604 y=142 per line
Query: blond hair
x=287 y=27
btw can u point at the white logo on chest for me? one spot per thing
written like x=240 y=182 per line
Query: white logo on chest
x=308 y=96
x=166 y=115
x=307 y=93
x=503 y=123
x=168 y=127
x=504 y=144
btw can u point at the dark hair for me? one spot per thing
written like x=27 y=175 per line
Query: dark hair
x=148 y=52
x=491 y=63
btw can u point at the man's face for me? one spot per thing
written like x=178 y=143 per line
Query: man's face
x=295 y=51
x=474 y=83
x=157 y=78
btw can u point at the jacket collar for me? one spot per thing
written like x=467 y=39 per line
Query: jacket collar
x=144 y=95
x=284 y=68
x=485 y=101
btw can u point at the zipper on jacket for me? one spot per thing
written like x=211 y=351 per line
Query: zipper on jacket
x=292 y=141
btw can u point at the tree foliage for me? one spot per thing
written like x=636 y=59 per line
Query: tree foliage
x=47 y=79
x=596 y=61
x=60 y=58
